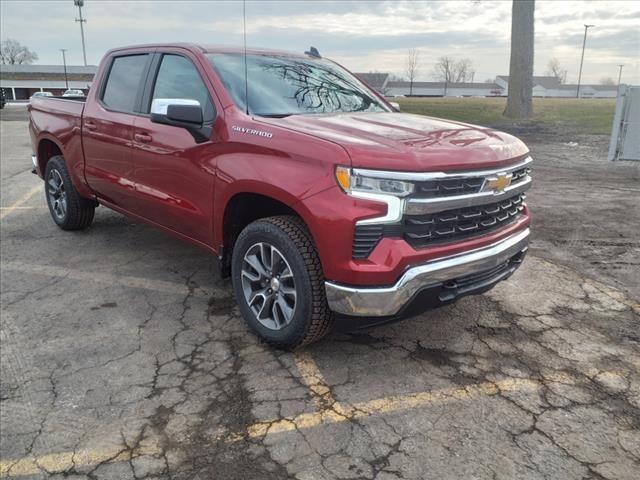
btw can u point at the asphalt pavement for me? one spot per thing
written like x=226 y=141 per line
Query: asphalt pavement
x=123 y=355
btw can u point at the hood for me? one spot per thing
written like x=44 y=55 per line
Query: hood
x=401 y=141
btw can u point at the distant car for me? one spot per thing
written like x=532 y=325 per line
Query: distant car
x=73 y=93
x=3 y=100
x=42 y=94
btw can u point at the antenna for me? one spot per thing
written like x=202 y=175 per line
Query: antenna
x=313 y=52
x=246 y=75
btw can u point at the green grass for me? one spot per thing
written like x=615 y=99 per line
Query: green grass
x=593 y=116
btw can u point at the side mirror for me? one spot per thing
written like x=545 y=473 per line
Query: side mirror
x=395 y=105
x=183 y=113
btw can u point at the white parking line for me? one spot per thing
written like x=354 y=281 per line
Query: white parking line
x=18 y=203
x=36 y=207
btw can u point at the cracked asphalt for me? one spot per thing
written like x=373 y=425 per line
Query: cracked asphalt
x=123 y=355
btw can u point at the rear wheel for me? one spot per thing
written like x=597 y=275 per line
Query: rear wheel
x=278 y=282
x=68 y=209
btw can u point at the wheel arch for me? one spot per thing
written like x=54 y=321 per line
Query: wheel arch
x=47 y=147
x=248 y=205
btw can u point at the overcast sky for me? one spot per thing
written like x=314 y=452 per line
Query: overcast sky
x=363 y=36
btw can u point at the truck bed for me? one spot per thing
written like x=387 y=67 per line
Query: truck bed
x=59 y=121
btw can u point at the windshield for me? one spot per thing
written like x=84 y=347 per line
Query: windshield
x=279 y=86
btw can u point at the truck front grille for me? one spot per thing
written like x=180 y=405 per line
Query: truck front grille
x=450 y=225
x=447 y=207
x=448 y=187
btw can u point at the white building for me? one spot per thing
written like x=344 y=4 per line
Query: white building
x=19 y=82
x=542 y=87
x=551 y=87
x=440 y=89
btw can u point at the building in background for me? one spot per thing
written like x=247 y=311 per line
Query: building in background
x=551 y=87
x=378 y=81
x=19 y=82
x=542 y=87
x=440 y=89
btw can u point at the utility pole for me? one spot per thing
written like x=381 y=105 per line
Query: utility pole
x=64 y=63
x=519 y=100
x=584 y=41
x=80 y=4
x=620 y=74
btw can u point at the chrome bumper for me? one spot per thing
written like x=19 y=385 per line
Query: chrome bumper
x=388 y=301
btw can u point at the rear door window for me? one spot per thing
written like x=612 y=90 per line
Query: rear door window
x=179 y=78
x=125 y=76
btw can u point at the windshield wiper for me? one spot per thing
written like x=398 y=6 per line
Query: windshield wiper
x=274 y=115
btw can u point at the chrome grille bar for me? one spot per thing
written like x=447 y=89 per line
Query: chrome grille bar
x=422 y=206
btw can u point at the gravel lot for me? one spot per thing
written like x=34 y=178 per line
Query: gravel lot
x=123 y=355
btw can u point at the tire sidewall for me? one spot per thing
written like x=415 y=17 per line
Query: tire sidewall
x=261 y=231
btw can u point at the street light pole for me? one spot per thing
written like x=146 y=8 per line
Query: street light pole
x=80 y=4
x=620 y=74
x=64 y=63
x=584 y=41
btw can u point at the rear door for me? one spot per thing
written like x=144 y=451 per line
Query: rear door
x=107 y=129
x=174 y=174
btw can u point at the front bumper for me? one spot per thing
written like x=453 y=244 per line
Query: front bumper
x=452 y=277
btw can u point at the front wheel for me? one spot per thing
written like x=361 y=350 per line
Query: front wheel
x=278 y=282
x=68 y=209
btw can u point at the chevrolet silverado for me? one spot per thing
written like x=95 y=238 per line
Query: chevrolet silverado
x=321 y=201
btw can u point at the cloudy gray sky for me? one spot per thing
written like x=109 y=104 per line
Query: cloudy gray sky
x=364 y=35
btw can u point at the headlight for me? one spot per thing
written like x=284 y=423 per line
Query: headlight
x=352 y=181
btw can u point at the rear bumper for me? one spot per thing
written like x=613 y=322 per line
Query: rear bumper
x=448 y=278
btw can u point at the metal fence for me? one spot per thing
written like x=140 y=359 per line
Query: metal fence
x=625 y=136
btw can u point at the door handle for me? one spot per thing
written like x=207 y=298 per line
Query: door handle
x=89 y=125
x=142 y=137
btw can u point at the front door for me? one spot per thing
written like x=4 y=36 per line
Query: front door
x=107 y=131
x=174 y=175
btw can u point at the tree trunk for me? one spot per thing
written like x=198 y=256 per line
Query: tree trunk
x=519 y=103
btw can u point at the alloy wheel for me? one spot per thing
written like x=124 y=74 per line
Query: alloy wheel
x=268 y=285
x=57 y=194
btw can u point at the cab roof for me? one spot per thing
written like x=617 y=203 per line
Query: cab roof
x=212 y=49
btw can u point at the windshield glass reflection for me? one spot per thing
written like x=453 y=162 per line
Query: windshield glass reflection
x=279 y=86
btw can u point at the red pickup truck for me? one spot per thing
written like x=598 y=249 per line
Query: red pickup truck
x=321 y=201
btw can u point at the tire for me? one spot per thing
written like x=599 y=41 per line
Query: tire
x=67 y=208
x=292 y=250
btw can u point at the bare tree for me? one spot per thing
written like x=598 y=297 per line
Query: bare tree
x=12 y=53
x=607 y=81
x=554 y=69
x=449 y=70
x=411 y=66
x=519 y=101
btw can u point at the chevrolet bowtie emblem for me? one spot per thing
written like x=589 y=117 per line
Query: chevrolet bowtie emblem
x=498 y=182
